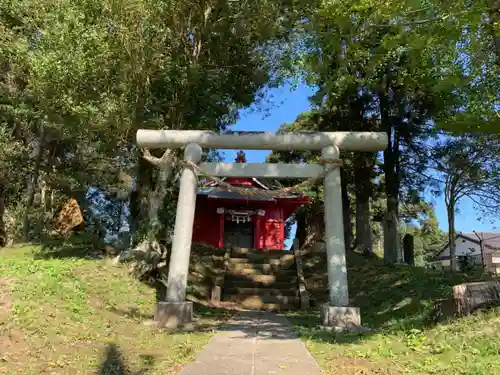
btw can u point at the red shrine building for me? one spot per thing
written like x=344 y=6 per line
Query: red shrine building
x=225 y=218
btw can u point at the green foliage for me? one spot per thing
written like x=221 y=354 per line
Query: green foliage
x=466 y=262
x=469 y=166
x=88 y=74
x=409 y=69
x=417 y=215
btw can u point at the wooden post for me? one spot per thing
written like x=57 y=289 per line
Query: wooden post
x=221 y=213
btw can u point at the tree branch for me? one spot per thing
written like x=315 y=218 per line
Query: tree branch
x=406 y=22
x=164 y=161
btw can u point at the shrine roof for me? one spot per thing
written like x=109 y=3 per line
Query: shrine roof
x=253 y=180
x=213 y=191
x=217 y=193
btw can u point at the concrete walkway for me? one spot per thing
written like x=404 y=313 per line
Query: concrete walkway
x=254 y=343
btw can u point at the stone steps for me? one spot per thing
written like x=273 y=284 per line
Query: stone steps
x=256 y=254
x=284 y=260
x=256 y=302
x=261 y=269
x=268 y=283
x=262 y=280
x=290 y=291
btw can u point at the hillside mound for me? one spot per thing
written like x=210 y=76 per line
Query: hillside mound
x=377 y=288
x=397 y=305
x=80 y=315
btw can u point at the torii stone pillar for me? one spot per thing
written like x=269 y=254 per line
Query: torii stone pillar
x=337 y=312
x=175 y=311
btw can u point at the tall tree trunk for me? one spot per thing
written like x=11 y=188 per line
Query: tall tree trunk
x=346 y=212
x=139 y=196
x=364 y=236
x=363 y=167
x=48 y=192
x=311 y=225
x=450 y=209
x=301 y=232
x=32 y=183
x=157 y=197
x=156 y=200
x=316 y=223
x=3 y=231
x=391 y=156
x=494 y=26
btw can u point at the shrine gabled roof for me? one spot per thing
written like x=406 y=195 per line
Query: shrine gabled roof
x=212 y=190
x=253 y=179
x=217 y=193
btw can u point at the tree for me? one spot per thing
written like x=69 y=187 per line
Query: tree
x=216 y=58
x=472 y=30
x=468 y=167
x=390 y=76
x=81 y=78
x=310 y=219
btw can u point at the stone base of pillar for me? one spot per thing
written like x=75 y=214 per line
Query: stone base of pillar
x=341 y=318
x=173 y=315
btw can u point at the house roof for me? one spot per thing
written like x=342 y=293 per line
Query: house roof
x=490 y=241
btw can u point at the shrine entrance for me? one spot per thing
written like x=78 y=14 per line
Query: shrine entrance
x=221 y=215
x=337 y=313
x=238 y=234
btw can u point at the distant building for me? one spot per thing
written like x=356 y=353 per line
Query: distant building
x=483 y=246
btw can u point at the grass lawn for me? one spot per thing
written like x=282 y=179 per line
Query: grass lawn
x=395 y=303
x=75 y=315
x=84 y=316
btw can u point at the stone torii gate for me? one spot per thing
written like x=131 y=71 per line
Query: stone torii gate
x=176 y=311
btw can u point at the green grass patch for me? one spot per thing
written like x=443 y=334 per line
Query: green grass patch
x=396 y=303
x=84 y=316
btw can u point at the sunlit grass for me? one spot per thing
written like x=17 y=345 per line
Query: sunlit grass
x=396 y=303
x=62 y=316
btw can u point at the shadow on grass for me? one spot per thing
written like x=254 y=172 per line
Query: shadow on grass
x=213 y=313
x=132 y=312
x=113 y=363
x=206 y=318
x=75 y=245
x=391 y=298
x=306 y=327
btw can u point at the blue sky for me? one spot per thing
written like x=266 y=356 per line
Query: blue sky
x=287 y=104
